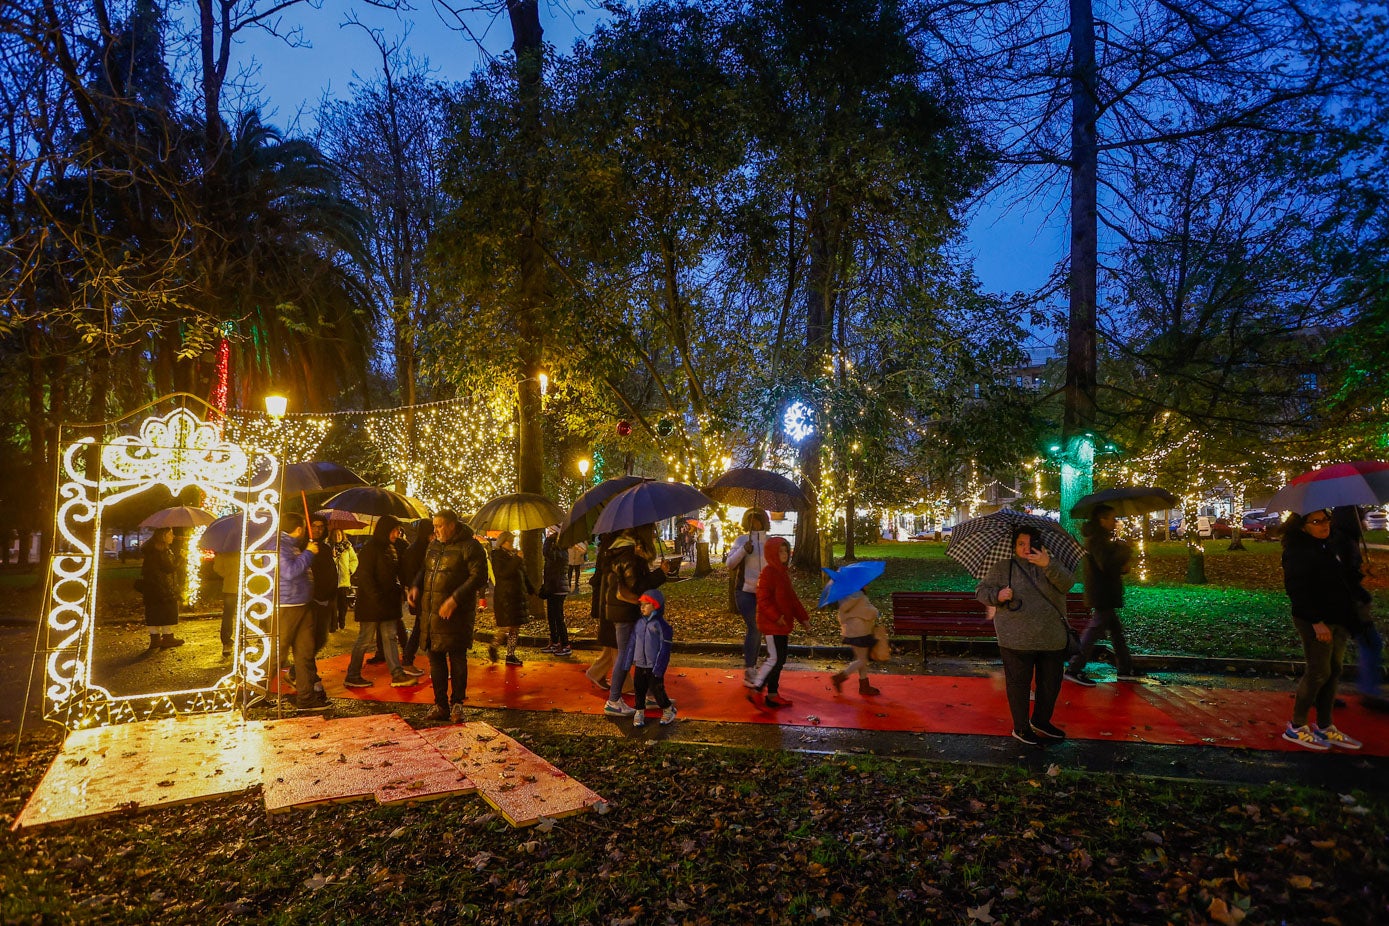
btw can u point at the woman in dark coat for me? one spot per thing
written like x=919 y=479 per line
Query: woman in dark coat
x=1324 y=614
x=607 y=636
x=159 y=586
x=554 y=588
x=629 y=573
x=509 y=596
x=378 y=603
x=1106 y=561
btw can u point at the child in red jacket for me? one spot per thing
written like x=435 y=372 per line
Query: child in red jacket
x=778 y=610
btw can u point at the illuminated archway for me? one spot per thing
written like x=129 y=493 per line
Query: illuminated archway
x=178 y=449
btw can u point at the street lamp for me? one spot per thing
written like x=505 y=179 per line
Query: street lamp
x=584 y=464
x=276 y=406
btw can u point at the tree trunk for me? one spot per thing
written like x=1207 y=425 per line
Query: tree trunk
x=1079 y=413
x=527 y=43
x=850 y=515
x=819 y=324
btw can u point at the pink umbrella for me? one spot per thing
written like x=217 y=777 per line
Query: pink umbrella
x=339 y=520
x=1362 y=483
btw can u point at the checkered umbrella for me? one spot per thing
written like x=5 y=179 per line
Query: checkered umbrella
x=979 y=543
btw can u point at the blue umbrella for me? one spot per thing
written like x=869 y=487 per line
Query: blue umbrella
x=579 y=525
x=225 y=535
x=850 y=578
x=648 y=503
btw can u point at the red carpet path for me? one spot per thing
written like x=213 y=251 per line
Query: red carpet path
x=1118 y=712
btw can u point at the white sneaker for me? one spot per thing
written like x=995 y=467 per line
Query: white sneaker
x=750 y=677
x=1336 y=737
x=618 y=708
x=639 y=719
x=668 y=715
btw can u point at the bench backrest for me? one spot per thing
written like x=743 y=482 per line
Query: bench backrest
x=962 y=605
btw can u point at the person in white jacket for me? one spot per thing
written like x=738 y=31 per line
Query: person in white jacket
x=345 y=557
x=745 y=554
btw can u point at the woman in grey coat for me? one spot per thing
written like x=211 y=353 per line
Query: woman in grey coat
x=1028 y=593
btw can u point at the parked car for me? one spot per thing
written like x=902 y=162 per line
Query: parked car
x=1376 y=519
x=1208 y=528
x=1261 y=525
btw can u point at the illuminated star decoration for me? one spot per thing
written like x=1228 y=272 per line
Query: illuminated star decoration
x=798 y=421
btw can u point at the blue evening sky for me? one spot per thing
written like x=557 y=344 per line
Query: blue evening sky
x=1013 y=250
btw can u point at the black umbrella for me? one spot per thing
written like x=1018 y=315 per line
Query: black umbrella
x=648 y=503
x=757 y=488
x=579 y=525
x=320 y=476
x=1125 y=501
x=374 y=502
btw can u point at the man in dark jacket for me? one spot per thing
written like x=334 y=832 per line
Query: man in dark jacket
x=445 y=591
x=1106 y=561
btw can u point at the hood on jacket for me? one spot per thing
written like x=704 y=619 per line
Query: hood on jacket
x=771 y=553
x=384 y=526
x=656 y=599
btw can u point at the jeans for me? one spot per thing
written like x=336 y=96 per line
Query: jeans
x=366 y=634
x=1317 y=687
x=554 y=613
x=1019 y=668
x=446 y=667
x=752 y=639
x=1102 y=621
x=624 y=661
x=778 y=647
x=411 y=645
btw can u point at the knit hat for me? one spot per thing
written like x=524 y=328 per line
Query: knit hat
x=655 y=599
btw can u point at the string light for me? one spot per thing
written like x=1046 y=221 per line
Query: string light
x=178 y=451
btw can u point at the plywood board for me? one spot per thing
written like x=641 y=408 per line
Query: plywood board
x=151 y=763
x=520 y=785
x=311 y=761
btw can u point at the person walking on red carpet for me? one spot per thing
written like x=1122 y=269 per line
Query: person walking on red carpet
x=510 y=597
x=857 y=618
x=1028 y=592
x=778 y=611
x=445 y=591
x=378 y=603
x=648 y=649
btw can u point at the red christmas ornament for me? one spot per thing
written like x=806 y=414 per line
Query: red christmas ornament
x=624 y=428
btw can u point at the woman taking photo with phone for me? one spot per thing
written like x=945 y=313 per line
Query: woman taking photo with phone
x=1028 y=594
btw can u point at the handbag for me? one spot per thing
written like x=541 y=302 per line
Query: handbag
x=881 y=651
x=735 y=583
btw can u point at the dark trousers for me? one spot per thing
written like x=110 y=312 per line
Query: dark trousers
x=1104 y=621
x=554 y=613
x=574 y=573
x=228 y=619
x=451 y=666
x=344 y=593
x=1020 y=666
x=1317 y=687
x=411 y=646
x=643 y=681
x=296 y=632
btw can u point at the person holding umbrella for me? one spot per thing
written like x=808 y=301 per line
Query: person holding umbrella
x=629 y=575
x=509 y=597
x=1106 y=561
x=378 y=602
x=1028 y=592
x=1324 y=614
x=159 y=588
x=857 y=618
x=745 y=557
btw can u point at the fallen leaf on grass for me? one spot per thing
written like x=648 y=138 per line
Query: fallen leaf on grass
x=546 y=824
x=1223 y=913
x=317 y=882
x=1300 y=882
x=1053 y=770
x=981 y=914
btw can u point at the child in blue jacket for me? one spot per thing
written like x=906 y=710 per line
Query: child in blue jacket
x=648 y=651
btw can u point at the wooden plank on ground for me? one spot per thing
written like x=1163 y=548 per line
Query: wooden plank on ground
x=311 y=761
x=519 y=784
x=150 y=763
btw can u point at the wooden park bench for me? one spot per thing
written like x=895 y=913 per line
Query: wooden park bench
x=959 y=616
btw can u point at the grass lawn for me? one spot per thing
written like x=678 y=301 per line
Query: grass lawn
x=707 y=835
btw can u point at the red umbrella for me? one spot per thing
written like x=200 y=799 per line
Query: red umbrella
x=339 y=520
x=1362 y=483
